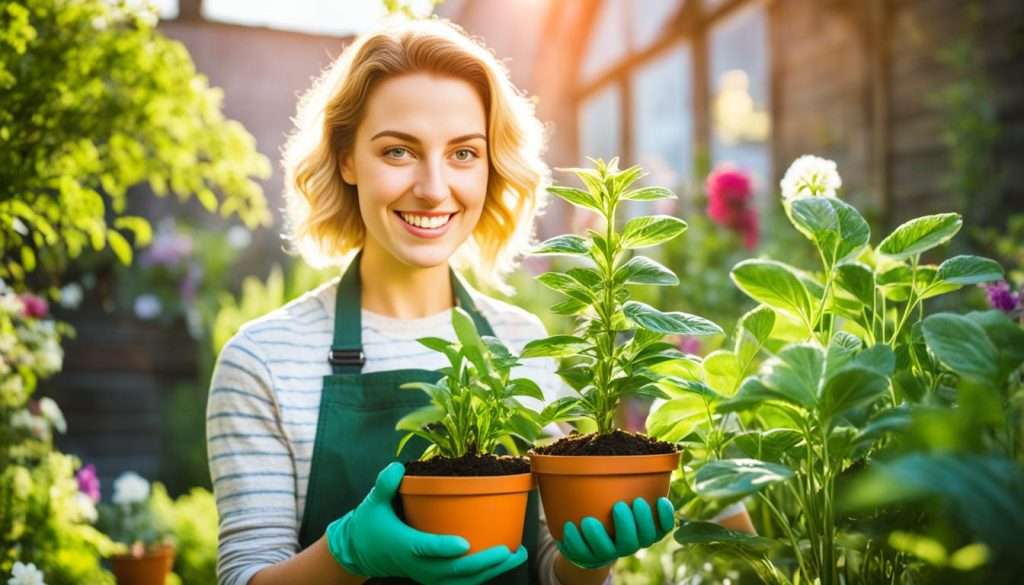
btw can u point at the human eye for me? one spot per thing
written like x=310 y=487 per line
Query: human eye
x=397 y=152
x=465 y=154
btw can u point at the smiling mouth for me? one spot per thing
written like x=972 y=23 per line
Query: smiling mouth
x=426 y=222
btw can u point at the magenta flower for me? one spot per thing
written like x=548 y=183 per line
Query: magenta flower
x=1001 y=297
x=689 y=345
x=34 y=306
x=88 y=482
x=730 y=203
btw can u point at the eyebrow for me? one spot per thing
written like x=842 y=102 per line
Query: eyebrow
x=413 y=139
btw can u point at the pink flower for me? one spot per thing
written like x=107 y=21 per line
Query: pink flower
x=729 y=203
x=34 y=306
x=88 y=482
x=689 y=345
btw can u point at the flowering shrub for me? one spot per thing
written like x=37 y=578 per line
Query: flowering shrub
x=730 y=205
x=131 y=519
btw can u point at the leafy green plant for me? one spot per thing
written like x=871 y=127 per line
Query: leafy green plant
x=192 y=519
x=825 y=377
x=602 y=369
x=473 y=407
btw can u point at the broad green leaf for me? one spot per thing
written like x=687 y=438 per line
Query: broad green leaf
x=565 y=284
x=858 y=280
x=930 y=285
x=562 y=409
x=646 y=231
x=969 y=270
x=796 y=373
x=525 y=387
x=854 y=231
x=774 y=284
x=816 y=219
x=677 y=387
x=557 y=346
x=674 y=322
x=578 y=377
x=879 y=358
x=851 y=387
x=896 y=418
x=420 y=418
x=468 y=336
x=730 y=478
x=962 y=346
x=577 y=197
x=567 y=245
x=920 y=235
x=759 y=322
x=722 y=370
x=643 y=270
x=674 y=419
x=1006 y=335
x=752 y=395
x=894 y=282
x=588 y=277
x=569 y=307
x=648 y=194
x=770 y=445
x=709 y=533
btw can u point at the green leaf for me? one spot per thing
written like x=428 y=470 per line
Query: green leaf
x=562 y=409
x=796 y=373
x=577 y=197
x=730 y=478
x=879 y=358
x=774 y=284
x=858 y=280
x=966 y=270
x=577 y=377
x=643 y=270
x=709 y=533
x=675 y=322
x=770 y=445
x=557 y=346
x=674 y=419
x=565 y=245
x=920 y=235
x=525 y=387
x=854 y=231
x=566 y=285
x=646 y=231
x=759 y=322
x=569 y=307
x=1006 y=335
x=677 y=387
x=121 y=247
x=587 y=277
x=961 y=345
x=420 y=418
x=648 y=194
x=851 y=387
x=816 y=219
x=722 y=369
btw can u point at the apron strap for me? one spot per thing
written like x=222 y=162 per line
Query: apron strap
x=346 y=355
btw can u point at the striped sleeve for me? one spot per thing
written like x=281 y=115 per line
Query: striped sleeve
x=251 y=465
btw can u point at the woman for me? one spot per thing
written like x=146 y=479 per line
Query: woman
x=413 y=153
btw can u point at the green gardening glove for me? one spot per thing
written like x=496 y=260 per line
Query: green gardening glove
x=634 y=529
x=372 y=541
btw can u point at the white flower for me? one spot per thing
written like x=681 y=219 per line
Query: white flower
x=71 y=296
x=51 y=412
x=26 y=575
x=35 y=425
x=811 y=176
x=50 y=356
x=130 y=488
x=147 y=306
x=239 y=237
x=85 y=507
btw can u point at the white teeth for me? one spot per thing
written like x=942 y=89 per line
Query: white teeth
x=424 y=221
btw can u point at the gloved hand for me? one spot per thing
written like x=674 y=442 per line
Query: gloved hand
x=634 y=529
x=372 y=541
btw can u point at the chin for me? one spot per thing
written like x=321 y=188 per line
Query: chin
x=424 y=258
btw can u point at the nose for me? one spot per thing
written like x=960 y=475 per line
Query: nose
x=431 y=184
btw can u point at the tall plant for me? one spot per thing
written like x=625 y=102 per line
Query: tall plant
x=820 y=380
x=604 y=365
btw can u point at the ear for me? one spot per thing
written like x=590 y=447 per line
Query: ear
x=348 y=172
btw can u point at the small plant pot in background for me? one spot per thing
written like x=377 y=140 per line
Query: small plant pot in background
x=485 y=510
x=150 y=568
x=575 y=486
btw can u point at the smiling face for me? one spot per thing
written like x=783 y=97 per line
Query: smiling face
x=419 y=163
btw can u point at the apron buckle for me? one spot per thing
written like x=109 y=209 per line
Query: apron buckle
x=346 y=357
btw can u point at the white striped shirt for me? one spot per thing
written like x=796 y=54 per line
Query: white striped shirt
x=264 y=403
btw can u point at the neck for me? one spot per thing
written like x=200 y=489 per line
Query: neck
x=395 y=289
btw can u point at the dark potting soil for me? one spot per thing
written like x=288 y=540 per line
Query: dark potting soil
x=469 y=465
x=615 y=443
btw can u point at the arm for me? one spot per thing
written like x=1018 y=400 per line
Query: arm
x=313 y=566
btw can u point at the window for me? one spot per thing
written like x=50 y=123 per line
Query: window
x=663 y=116
x=608 y=40
x=600 y=124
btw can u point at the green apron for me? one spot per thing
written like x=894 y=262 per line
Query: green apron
x=355 y=433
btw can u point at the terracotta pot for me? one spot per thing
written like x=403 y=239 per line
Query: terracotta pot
x=149 y=569
x=485 y=510
x=575 y=486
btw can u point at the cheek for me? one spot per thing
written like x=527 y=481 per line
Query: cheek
x=473 y=188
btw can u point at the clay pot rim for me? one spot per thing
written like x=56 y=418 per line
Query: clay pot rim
x=445 y=485
x=162 y=549
x=603 y=464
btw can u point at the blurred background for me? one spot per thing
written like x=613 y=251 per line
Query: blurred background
x=920 y=102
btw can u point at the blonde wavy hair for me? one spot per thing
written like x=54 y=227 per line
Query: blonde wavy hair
x=322 y=211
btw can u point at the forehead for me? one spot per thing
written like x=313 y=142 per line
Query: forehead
x=430 y=107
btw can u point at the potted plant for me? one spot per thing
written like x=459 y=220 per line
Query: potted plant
x=615 y=353
x=472 y=414
x=147 y=549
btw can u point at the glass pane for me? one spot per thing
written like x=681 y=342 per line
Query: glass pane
x=600 y=130
x=607 y=43
x=740 y=118
x=663 y=116
x=648 y=20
